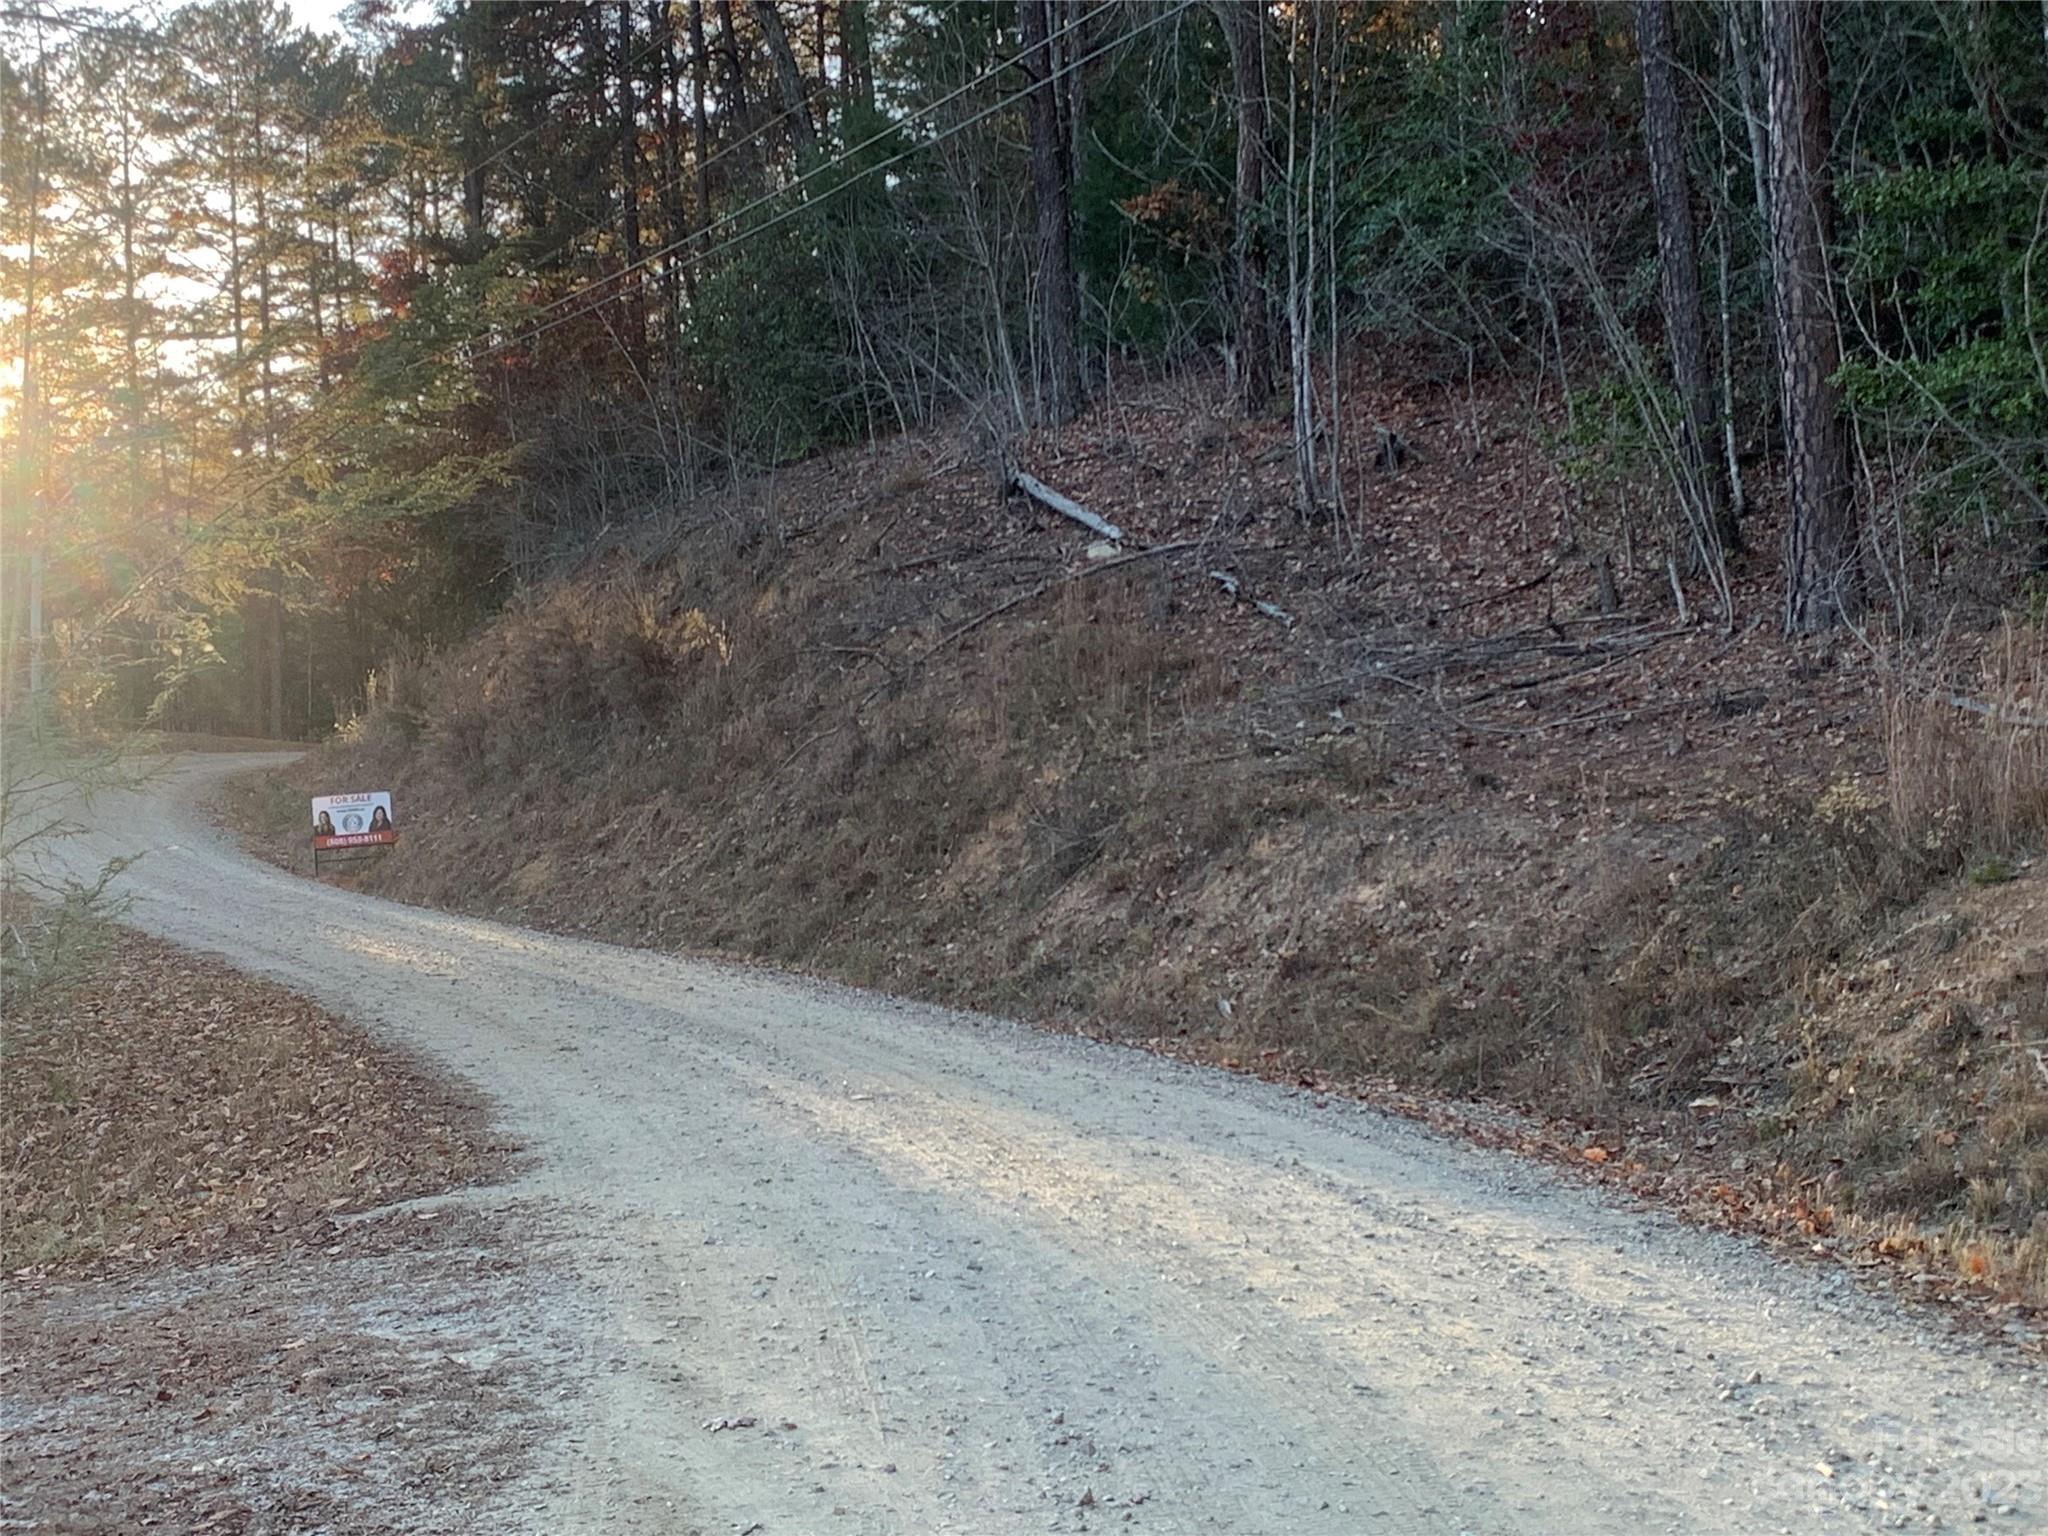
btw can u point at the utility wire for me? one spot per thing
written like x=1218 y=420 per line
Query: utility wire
x=843 y=156
x=806 y=207
x=249 y=498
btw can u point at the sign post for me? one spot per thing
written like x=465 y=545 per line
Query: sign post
x=351 y=827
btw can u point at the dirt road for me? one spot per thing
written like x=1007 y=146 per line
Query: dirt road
x=940 y=1273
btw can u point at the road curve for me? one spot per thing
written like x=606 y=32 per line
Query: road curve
x=970 y=1277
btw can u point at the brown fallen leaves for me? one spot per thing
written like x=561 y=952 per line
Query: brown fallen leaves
x=165 y=1107
x=168 y=1105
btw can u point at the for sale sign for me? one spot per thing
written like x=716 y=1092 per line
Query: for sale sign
x=353 y=821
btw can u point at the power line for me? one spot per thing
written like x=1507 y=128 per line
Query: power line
x=806 y=207
x=843 y=156
x=447 y=354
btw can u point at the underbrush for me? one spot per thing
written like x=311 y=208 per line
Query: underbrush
x=48 y=945
x=52 y=923
x=1967 y=757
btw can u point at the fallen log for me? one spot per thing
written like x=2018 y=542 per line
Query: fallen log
x=1066 y=506
x=1995 y=714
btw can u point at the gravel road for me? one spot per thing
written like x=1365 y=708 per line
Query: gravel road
x=936 y=1272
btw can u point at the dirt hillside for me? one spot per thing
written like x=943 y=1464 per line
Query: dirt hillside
x=1446 y=795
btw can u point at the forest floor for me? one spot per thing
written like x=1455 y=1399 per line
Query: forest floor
x=215 y=1318
x=1447 y=822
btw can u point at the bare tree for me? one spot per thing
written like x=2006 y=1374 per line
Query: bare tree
x=1679 y=273
x=1822 y=583
x=629 y=177
x=1244 y=29
x=1052 y=185
x=700 y=132
x=790 y=80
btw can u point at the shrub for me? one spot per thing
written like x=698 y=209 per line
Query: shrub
x=50 y=920
x=1967 y=768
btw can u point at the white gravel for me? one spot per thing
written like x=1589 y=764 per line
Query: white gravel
x=963 y=1276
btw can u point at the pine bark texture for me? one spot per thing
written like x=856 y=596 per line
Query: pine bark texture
x=1821 y=578
x=1244 y=29
x=790 y=81
x=1678 y=267
x=1052 y=181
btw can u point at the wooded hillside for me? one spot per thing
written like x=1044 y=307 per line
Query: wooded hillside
x=321 y=347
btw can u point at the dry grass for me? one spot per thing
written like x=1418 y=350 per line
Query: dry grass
x=1967 y=768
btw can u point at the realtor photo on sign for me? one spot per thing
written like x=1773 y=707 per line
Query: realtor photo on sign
x=353 y=821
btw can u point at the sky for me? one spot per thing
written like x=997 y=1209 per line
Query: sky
x=325 y=15
x=321 y=14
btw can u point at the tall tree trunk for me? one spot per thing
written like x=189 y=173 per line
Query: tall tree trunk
x=263 y=244
x=796 y=101
x=735 y=104
x=235 y=281
x=1822 y=582
x=857 y=51
x=28 y=461
x=314 y=295
x=472 y=137
x=273 y=670
x=1052 y=181
x=1069 y=44
x=36 y=672
x=629 y=184
x=262 y=249
x=253 y=605
x=131 y=310
x=677 y=277
x=1244 y=29
x=700 y=128
x=1678 y=266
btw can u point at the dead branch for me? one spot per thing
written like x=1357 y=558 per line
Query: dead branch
x=1993 y=713
x=1503 y=594
x=862 y=653
x=1273 y=611
x=805 y=745
x=1096 y=569
x=1565 y=674
x=1435 y=701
